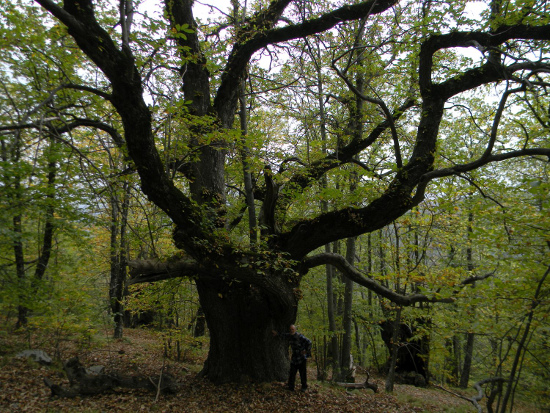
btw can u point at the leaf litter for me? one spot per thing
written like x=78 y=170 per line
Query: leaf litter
x=22 y=387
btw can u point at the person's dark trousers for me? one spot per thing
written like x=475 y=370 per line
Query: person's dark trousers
x=292 y=375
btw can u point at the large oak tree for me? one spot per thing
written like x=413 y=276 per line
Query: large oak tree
x=246 y=292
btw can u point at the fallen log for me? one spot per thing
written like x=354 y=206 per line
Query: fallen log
x=365 y=385
x=82 y=382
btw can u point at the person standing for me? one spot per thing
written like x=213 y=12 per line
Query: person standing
x=301 y=350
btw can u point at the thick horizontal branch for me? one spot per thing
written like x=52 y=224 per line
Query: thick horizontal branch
x=262 y=32
x=491 y=71
x=7 y=129
x=487 y=39
x=274 y=286
x=142 y=271
x=61 y=128
x=356 y=276
x=484 y=160
x=117 y=137
x=156 y=270
x=326 y=21
x=89 y=89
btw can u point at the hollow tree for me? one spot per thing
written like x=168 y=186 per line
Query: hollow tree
x=246 y=292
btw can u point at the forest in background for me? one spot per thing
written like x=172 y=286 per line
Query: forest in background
x=452 y=290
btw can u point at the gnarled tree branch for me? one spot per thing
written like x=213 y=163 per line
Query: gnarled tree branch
x=352 y=273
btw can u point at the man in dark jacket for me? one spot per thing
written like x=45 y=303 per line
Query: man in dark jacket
x=301 y=350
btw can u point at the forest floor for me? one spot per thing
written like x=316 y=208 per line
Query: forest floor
x=140 y=352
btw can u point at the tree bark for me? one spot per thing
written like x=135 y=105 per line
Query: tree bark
x=346 y=368
x=199 y=329
x=247 y=175
x=117 y=285
x=331 y=315
x=412 y=354
x=22 y=309
x=468 y=357
x=18 y=249
x=241 y=320
x=394 y=345
x=470 y=336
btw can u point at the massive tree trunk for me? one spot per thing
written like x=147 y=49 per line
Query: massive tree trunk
x=240 y=320
x=412 y=353
x=240 y=315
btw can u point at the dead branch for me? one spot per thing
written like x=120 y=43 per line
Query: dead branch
x=475 y=399
x=84 y=383
x=365 y=385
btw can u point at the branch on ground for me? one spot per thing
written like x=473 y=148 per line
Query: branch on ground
x=85 y=383
x=364 y=385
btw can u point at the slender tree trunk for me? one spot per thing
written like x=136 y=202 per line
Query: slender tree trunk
x=381 y=253
x=359 y=344
x=356 y=126
x=369 y=268
x=22 y=309
x=247 y=175
x=456 y=358
x=521 y=344
x=245 y=152
x=329 y=270
x=470 y=336
x=18 y=250
x=29 y=287
x=119 y=224
x=49 y=225
x=331 y=312
x=468 y=356
x=390 y=378
x=345 y=363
